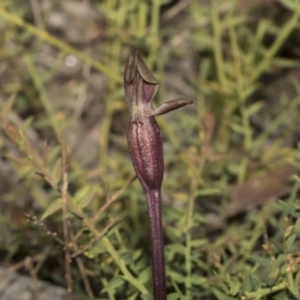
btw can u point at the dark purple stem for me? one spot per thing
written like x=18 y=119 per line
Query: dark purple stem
x=158 y=264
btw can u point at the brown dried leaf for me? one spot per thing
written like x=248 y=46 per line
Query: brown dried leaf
x=258 y=191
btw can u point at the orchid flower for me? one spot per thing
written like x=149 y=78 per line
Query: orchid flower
x=146 y=151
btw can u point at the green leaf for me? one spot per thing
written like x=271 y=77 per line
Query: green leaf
x=221 y=296
x=235 y=287
x=297 y=278
x=289 y=4
x=285 y=63
x=290 y=240
x=176 y=276
x=177 y=248
x=255 y=281
x=199 y=218
x=236 y=127
x=290 y=209
x=198 y=243
x=280 y=260
x=198 y=280
x=113 y=284
x=52 y=208
x=146 y=297
x=137 y=254
x=254 y=108
x=247 y=284
x=173 y=296
x=126 y=257
x=221 y=281
x=292 y=286
x=85 y=195
x=261 y=260
x=95 y=250
x=53 y=153
x=145 y=275
x=20 y=161
x=281 y=296
x=297 y=225
x=272 y=277
x=261 y=30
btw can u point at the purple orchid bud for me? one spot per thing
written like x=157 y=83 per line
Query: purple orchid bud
x=145 y=147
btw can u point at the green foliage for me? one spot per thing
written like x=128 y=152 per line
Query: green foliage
x=238 y=63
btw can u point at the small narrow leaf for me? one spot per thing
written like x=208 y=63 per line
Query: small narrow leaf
x=144 y=276
x=126 y=257
x=221 y=296
x=7 y=107
x=113 y=284
x=290 y=209
x=45 y=154
x=176 y=276
x=173 y=296
x=52 y=208
x=261 y=260
x=289 y=4
x=20 y=161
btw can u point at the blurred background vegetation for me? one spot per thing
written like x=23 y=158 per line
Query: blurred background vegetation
x=231 y=189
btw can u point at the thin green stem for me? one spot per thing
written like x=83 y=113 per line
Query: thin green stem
x=154 y=32
x=279 y=41
x=112 y=251
x=37 y=81
x=44 y=35
x=217 y=48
